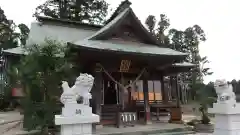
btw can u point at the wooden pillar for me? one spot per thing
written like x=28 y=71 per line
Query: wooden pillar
x=147 y=116
x=121 y=95
x=176 y=112
x=97 y=95
x=177 y=91
x=172 y=87
x=98 y=91
x=164 y=93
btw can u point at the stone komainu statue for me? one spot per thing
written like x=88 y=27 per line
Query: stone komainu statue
x=81 y=88
x=224 y=91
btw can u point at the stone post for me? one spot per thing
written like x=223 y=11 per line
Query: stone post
x=77 y=119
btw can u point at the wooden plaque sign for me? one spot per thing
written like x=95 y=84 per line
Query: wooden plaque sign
x=125 y=65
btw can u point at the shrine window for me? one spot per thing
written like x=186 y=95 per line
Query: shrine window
x=151 y=94
x=154 y=90
x=139 y=90
x=157 y=90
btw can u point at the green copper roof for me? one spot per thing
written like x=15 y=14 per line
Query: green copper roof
x=16 y=51
x=177 y=68
x=183 y=64
x=123 y=16
x=110 y=24
x=130 y=47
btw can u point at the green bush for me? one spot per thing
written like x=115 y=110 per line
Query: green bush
x=193 y=122
x=206 y=96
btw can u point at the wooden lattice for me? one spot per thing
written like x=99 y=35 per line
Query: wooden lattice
x=125 y=65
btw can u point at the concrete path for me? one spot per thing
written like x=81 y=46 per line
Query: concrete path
x=154 y=128
x=203 y=134
x=10 y=122
x=8 y=117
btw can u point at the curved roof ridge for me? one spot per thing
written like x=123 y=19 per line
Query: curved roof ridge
x=116 y=21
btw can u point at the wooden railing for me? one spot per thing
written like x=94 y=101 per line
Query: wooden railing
x=127 y=119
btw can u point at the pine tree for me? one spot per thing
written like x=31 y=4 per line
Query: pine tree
x=9 y=38
x=186 y=41
x=40 y=74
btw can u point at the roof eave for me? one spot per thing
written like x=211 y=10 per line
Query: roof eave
x=9 y=53
x=66 y=21
x=180 y=56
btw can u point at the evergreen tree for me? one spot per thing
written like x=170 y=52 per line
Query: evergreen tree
x=186 y=41
x=40 y=74
x=24 y=32
x=151 y=23
x=9 y=38
x=88 y=11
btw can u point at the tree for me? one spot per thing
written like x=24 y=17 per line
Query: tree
x=162 y=26
x=193 y=36
x=186 y=41
x=206 y=95
x=151 y=23
x=203 y=70
x=39 y=75
x=9 y=38
x=88 y=11
x=177 y=40
x=24 y=32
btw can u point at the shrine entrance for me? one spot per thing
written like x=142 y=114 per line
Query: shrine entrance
x=114 y=95
x=111 y=93
x=118 y=94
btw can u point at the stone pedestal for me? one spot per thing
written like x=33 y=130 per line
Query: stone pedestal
x=227 y=118
x=76 y=119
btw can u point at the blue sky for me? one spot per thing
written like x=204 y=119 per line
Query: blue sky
x=220 y=20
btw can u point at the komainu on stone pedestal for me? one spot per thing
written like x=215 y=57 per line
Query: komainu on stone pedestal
x=226 y=110
x=77 y=119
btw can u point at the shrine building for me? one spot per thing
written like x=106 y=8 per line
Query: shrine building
x=129 y=65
